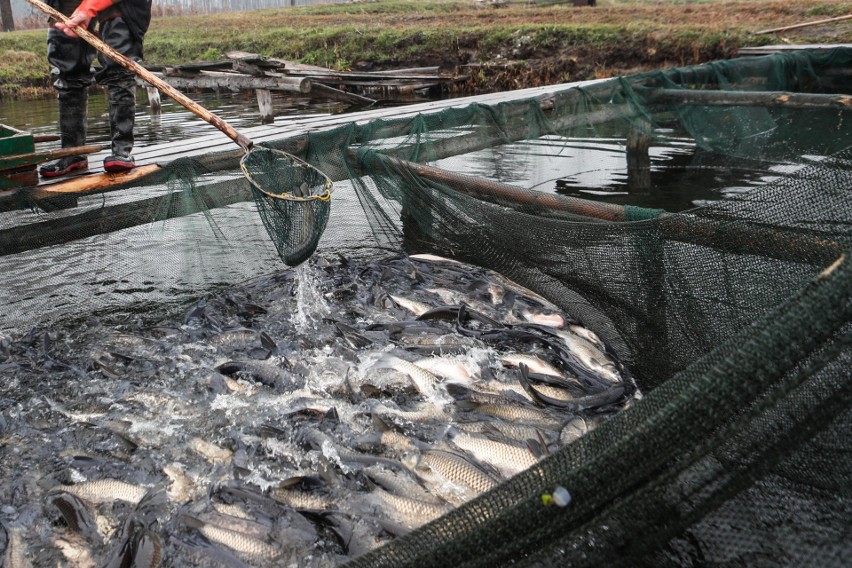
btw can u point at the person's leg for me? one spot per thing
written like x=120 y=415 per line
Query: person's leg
x=71 y=67
x=121 y=85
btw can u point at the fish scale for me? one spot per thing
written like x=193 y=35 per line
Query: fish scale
x=508 y=458
x=459 y=469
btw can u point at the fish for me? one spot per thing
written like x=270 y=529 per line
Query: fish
x=234 y=540
x=263 y=372
x=77 y=515
x=105 y=491
x=433 y=258
x=425 y=382
x=533 y=363
x=509 y=459
x=588 y=355
x=17 y=554
x=209 y=451
x=413 y=306
x=455 y=468
x=402 y=484
x=76 y=551
x=147 y=550
x=409 y=512
x=300 y=418
x=451 y=369
x=240 y=339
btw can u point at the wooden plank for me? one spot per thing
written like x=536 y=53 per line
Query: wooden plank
x=319 y=89
x=238 y=82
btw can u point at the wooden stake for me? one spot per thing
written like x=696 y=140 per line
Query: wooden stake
x=264 y=103
x=154 y=100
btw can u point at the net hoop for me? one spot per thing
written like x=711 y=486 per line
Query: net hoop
x=325 y=195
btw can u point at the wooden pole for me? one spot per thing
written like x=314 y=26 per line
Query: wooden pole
x=806 y=24
x=39 y=157
x=244 y=142
x=729 y=236
x=747 y=98
x=638 y=144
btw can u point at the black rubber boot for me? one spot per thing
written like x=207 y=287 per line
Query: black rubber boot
x=122 y=116
x=72 y=132
x=64 y=167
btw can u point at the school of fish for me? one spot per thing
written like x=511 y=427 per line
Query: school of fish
x=300 y=419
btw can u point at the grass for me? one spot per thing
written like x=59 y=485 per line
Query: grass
x=554 y=40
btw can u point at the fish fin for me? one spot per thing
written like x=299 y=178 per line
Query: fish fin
x=379 y=424
x=267 y=342
x=537 y=449
x=331 y=417
x=457 y=390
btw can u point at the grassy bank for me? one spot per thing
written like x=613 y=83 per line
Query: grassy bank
x=518 y=44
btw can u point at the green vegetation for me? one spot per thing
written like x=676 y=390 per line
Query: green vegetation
x=517 y=43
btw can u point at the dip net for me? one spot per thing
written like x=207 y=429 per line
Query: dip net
x=699 y=220
x=293 y=199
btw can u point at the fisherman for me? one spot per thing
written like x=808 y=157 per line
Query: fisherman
x=122 y=25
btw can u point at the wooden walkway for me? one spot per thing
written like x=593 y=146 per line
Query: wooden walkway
x=284 y=127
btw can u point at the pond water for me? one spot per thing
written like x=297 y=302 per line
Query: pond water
x=179 y=259
x=593 y=168
x=41 y=116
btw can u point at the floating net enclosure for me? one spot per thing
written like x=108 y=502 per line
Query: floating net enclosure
x=731 y=305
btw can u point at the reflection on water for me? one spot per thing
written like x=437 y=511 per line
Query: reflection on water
x=682 y=176
x=41 y=116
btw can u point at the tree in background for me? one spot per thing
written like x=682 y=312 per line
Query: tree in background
x=6 y=19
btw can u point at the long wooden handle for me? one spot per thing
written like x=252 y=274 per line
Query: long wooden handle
x=130 y=65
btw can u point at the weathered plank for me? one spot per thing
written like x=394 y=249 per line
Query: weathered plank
x=239 y=82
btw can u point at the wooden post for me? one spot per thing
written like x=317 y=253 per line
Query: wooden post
x=264 y=103
x=638 y=158
x=154 y=100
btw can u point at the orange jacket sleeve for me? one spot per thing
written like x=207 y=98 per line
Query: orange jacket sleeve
x=92 y=7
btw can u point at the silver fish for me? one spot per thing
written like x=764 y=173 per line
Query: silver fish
x=457 y=469
x=535 y=364
x=509 y=459
x=268 y=374
x=76 y=551
x=413 y=306
x=425 y=381
x=411 y=513
x=106 y=491
x=451 y=369
x=400 y=484
x=17 y=555
x=234 y=540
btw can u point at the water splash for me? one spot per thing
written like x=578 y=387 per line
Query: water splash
x=311 y=306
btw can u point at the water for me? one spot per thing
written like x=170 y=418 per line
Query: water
x=41 y=116
x=138 y=269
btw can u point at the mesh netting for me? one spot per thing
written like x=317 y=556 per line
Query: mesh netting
x=293 y=199
x=707 y=241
